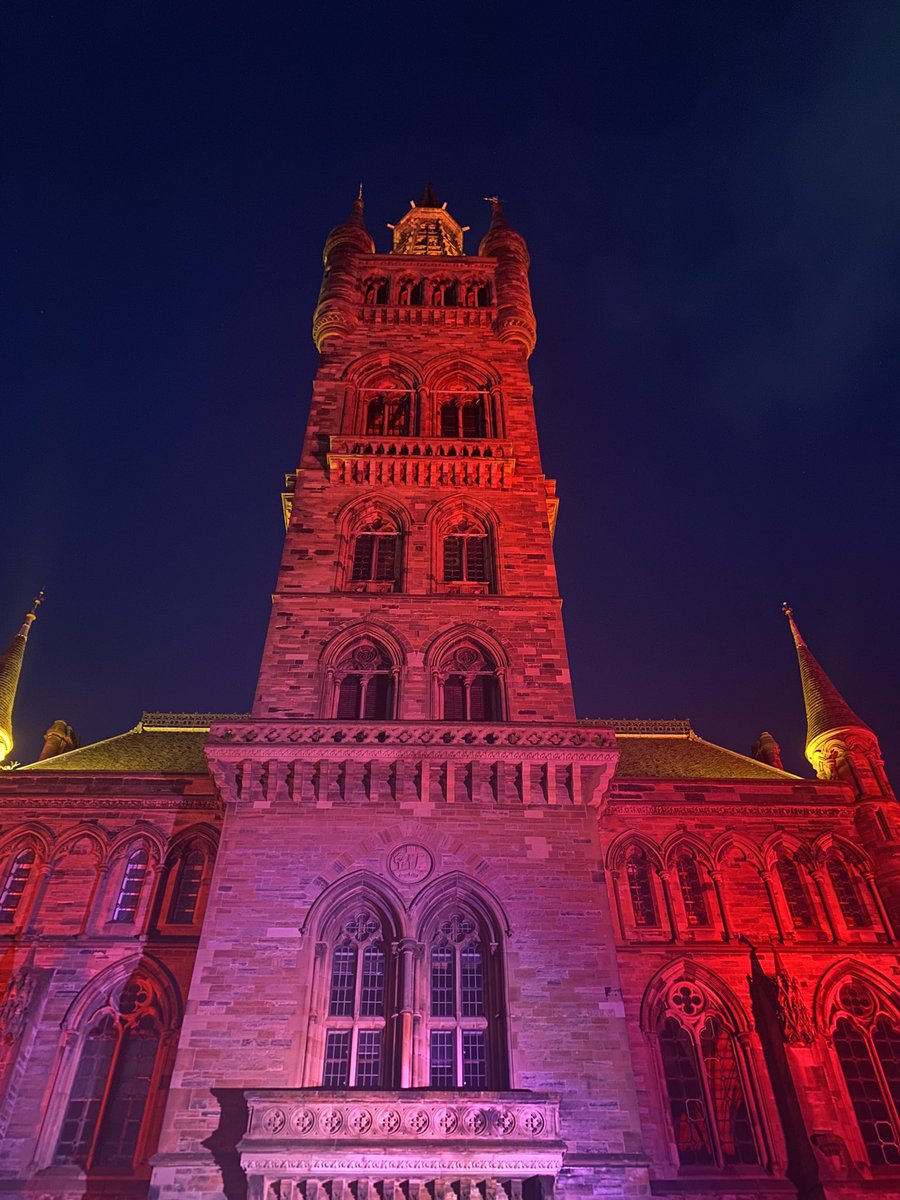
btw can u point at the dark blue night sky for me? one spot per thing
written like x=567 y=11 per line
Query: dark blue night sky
x=710 y=193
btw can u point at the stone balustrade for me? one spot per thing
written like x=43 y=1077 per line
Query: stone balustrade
x=421 y=461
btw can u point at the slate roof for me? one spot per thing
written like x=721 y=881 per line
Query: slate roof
x=172 y=743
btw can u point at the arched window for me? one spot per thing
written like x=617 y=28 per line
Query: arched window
x=364 y=683
x=387 y=410
x=116 y=1073
x=466 y=557
x=375 y=553
x=131 y=886
x=846 y=889
x=17 y=875
x=795 y=893
x=469 y=684
x=375 y=291
x=640 y=889
x=707 y=1094
x=867 y=1043
x=464 y=416
x=460 y=1053
x=185 y=895
x=444 y=293
x=692 y=892
x=358 y=999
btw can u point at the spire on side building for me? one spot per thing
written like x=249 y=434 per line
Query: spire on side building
x=826 y=708
x=10 y=669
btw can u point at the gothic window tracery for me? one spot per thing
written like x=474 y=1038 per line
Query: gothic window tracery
x=847 y=892
x=704 y=1076
x=131 y=886
x=866 y=1038
x=444 y=293
x=692 y=891
x=357 y=1005
x=387 y=411
x=184 y=898
x=116 y=1073
x=795 y=894
x=375 y=291
x=469 y=684
x=464 y=415
x=15 y=884
x=364 y=679
x=466 y=556
x=459 y=1055
x=375 y=554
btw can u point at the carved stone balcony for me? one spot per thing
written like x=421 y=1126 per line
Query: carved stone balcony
x=309 y=1144
x=264 y=762
x=406 y=316
x=425 y=462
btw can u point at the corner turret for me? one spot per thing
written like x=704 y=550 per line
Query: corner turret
x=515 y=313
x=10 y=669
x=334 y=315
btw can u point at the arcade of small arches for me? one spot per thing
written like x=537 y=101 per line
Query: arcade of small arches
x=450 y=399
x=78 y=882
x=443 y=290
x=713 y=1069
x=407 y=997
x=374 y=548
x=363 y=677
x=824 y=891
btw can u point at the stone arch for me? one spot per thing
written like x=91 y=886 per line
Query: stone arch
x=336 y=897
x=374 y=532
x=467 y=669
x=361 y=670
x=692 y=972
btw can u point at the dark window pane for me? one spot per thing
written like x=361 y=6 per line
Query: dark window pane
x=86 y=1097
x=124 y=1108
x=187 y=889
x=14 y=887
x=336 y=1072
x=471 y=981
x=476 y=559
x=375 y=417
x=726 y=1092
x=453 y=559
x=869 y=1104
x=484 y=698
x=690 y=1120
x=640 y=889
x=386 y=558
x=692 y=891
x=378 y=698
x=443 y=1058
x=131 y=887
x=886 y=1038
x=443 y=981
x=474 y=1059
x=449 y=420
x=398 y=418
x=852 y=907
x=349 y=698
x=371 y=996
x=795 y=893
x=473 y=419
x=363 y=556
x=343 y=981
x=454 y=698
x=368 y=1058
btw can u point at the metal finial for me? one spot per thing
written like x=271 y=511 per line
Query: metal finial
x=492 y=199
x=360 y=195
x=787 y=610
x=36 y=603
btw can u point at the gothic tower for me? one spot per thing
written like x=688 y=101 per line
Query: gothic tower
x=411 y=804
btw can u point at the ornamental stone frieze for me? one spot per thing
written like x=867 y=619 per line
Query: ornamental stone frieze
x=264 y=762
x=420 y=462
x=377 y=1135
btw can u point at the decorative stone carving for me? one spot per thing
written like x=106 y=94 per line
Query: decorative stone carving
x=410 y=863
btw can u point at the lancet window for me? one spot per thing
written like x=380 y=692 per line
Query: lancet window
x=357 y=1005
x=466 y=553
x=469 y=684
x=866 y=1040
x=692 y=891
x=846 y=889
x=640 y=889
x=704 y=1075
x=459 y=1051
x=18 y=874
x=117 y=1069
x=795 y=894
x=477 y=294
x=444 y=293
x=185 y=893
x=375 y=291
x=464 y=415
x=387 y=412
x=131 y=886
x=375 y=554
x=364 y=679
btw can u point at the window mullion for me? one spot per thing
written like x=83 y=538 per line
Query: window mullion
x=883 y=1082
x=351 y=1065
x=107 y=1088
x=711 y=1114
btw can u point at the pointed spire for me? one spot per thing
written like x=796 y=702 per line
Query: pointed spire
x=429 y=198
x=826 y=708
x=10 y=668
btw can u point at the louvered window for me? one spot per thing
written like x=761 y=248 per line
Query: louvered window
x=14 y=885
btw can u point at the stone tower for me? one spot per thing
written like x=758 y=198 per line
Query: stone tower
x=411 y=806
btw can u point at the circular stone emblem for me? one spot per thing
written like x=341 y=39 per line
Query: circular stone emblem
x=532 y=1121
x=389 y=1120
x=475 y=1120
x=359 y=1120
x=273 y=1120
x=410 y=863
x=417 y=1120
x=331 y=1120
x=302 y=1120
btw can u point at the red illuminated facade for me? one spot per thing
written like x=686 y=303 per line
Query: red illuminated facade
x=411 y=929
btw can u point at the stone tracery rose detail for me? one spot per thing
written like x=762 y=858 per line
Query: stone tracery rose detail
x=475 y=1120
x=359 y=1120
x=302 y=1120
x=389 y=1120
x=532 y=1121
x=273 y=1120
